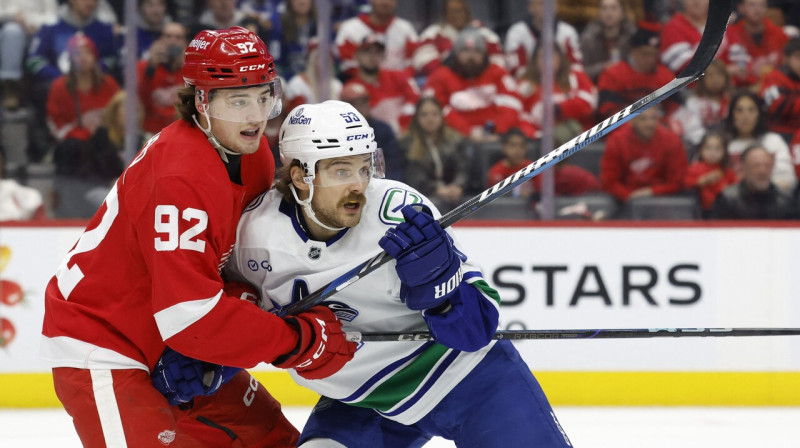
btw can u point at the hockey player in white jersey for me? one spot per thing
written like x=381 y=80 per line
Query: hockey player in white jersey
x=327 y=214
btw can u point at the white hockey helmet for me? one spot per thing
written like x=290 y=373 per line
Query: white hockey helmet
x=313 y=132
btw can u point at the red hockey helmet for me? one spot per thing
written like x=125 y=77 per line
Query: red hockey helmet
x=235 y=57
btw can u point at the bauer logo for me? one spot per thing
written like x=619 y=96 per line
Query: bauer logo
x=393 y=201
x=299 y=118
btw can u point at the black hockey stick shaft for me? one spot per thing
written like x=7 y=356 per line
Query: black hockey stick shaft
x=624 y=333
x=718 y=14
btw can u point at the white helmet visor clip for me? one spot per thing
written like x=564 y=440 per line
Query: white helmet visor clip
x=251 y=104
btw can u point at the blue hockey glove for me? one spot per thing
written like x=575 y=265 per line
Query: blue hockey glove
x=427 y=263
x=180 y=378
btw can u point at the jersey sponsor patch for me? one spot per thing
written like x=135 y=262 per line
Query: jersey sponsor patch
x=393 y=201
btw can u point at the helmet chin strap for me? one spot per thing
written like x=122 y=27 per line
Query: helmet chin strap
x=222 y=150
x=309 y=210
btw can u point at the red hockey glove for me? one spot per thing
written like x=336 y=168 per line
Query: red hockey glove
x=321 y=347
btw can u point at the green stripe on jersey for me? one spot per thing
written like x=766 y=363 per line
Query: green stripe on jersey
x=485 y=289
x=404 y=382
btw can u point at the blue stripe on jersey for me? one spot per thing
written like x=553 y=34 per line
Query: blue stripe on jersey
x=428 y=384
x=385 y=371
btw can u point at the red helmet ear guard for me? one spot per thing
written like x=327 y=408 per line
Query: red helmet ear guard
x=235 y=57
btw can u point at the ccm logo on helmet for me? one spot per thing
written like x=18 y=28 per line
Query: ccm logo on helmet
x=357 y=137
x=250 y=68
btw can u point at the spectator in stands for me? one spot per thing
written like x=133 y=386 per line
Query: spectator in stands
x=710 y=173
x=77 y=99
x=17 y=202
x=781 y=92
x=20 y=20
x=398 y=34
x=436 y=41
x=754 y=46
x=152 y=19
x=392 y=93
x=642 y=159
x=523 y=36
x=304 y=87
x=706 y=105
x=159 y=77
x=437 y=156
x=785 y=13
x=515 y=148
x=682 y=33
x=291 y=32
x=48 y=58
x=605 y=39
x=220 y=14
x=357 y=95
x=755 y=196
x=746 y=125
x=481 y=99
x=635 y=76
x=574 y=95
x=794 y=148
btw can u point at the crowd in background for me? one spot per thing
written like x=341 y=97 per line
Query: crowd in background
x=438 y=96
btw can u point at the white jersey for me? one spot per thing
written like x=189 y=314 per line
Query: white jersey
x=402 y=381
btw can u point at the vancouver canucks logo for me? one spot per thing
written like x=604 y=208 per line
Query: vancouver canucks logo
x=393 y=201
x=299 y=118
x=314 y=252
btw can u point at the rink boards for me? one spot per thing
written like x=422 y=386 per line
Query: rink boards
x=569 y=277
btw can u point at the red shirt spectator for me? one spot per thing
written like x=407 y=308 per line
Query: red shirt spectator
x=682 y=33
x=475 y=93
x=76 y=100
x=436 y=41
x=522 y=37
x=393 y=95
x=160 y=77
x=399 y=35
x=643 y=158
x=755 y=44
x=711 y=173
x=781 y=92
x=631 y=79
x=574 y=93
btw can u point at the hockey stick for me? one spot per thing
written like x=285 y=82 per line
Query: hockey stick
x=718 y=14
x=625 y=333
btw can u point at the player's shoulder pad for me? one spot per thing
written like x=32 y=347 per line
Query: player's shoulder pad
x=391 y=196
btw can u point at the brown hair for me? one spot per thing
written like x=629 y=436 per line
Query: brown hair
x=418 y=148
x=185 y=104
x=702 y=91
x=283 y=179
x=116 y=130
x=289 y=21
x=561 y=77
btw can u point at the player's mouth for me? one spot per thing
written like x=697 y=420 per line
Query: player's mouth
x=251 y=133
x=353 y=205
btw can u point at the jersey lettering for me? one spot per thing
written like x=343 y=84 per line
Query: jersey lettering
x=166 y=222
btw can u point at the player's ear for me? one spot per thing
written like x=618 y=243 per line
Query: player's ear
x=297 y=174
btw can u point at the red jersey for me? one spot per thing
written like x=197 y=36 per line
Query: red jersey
x=147 y=268
x=679 y=40
x=393 y=98
x=578 y=102
x=502 y=170
x=158 y=92
x=758 y=57
x=62 y=112
x=781 y=93
x=398 y=33
x=621 y=85
x=630 y=163
x=708 y=192
x=436 y=43
x=469 y=103
x=794 y=149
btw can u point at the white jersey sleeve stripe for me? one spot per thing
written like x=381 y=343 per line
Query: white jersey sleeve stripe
x=173 y=320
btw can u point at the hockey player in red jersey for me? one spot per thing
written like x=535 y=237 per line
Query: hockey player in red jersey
x=145 y=276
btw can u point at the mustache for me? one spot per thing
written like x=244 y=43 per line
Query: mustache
x=360 y=198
